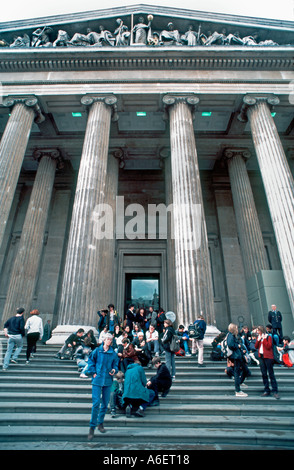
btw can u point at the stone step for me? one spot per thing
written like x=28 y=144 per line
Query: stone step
x=174 y=399
x=152 y=420
x=82 y=387
x=253 y=381
x=47 y=401
x=145 y=434
x=228 y=408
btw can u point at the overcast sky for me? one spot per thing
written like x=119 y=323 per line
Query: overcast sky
x=20 y=9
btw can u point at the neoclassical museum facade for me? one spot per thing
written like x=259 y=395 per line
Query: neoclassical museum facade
x=115 y=121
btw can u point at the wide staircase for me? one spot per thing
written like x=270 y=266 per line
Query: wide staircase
x=46 y=405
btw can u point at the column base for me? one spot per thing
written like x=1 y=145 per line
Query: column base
x=62 y=332
x=211 y=332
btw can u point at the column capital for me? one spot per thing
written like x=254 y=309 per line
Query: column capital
x=52 y=153
x=30 y=101
x=230 y=153
x=190 y=99
x=253 y=99
x=108 y=99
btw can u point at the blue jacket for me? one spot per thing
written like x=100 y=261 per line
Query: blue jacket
x=201 y=326
x=234 y=345
x=101 y=362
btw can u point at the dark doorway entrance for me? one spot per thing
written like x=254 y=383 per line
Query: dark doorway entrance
x=142 y=290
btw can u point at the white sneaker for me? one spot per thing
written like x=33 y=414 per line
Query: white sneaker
x=241 y=394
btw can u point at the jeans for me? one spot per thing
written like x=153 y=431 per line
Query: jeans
x=240 y=373
x=153 y=345
x=170 y=362
x=100 y=400
x=267 y=369
x=14 y=340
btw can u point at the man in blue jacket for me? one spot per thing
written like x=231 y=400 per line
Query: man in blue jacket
x=102 y=366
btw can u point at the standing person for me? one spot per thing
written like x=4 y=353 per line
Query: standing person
x=102 y=365
x=240 y=371
x=166 y=340
x=34 y=329
x=198 y=342
x=113 y=318
x=264 y=344
x=47 y=332
x=131 y=316
x=275 y=318
x=14 y=331
x=103 y=319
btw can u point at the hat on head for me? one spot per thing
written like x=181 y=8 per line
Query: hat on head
x=20 y=310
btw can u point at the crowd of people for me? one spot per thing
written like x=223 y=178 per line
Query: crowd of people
x=116 y=358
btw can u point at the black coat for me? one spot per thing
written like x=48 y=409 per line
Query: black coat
x=167 y=337
x=162 y=380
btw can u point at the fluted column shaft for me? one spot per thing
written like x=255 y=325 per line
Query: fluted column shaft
x=278 y=182
x=25 y=269
x=12 y=150
x=194 y=290
x=250 y=235
x=79 y=298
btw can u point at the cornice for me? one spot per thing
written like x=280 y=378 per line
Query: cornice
x=165 y=58
x=192 y=15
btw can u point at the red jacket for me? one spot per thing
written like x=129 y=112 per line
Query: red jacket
x=267 y=347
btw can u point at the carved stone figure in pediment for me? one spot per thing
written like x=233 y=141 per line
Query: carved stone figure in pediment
x=250 y=40
x=106 y=38
x=3 y=43
x=62 y=39
x=21 y=41
x=40 y=37
x=153 y=39
x=122 y=34
x=268 y=42
x=142 y=31
x=217 y=38
x=79 y=39
x=170 y=36
x=191 y=37
x=234 y=39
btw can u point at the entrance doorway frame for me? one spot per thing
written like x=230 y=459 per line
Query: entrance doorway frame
x=138 y=248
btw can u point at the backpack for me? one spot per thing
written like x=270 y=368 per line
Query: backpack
x=175 y=344
x=276 y=353
x=180 y=352
x=216 y=355
x=194 y=331
x=227 y=352
x=68 y=353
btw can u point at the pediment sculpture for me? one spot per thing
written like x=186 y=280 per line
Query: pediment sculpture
x=140 y=34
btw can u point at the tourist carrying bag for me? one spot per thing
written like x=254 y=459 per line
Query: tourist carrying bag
x=175 y=344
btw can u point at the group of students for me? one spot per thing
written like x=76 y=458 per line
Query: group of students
x=262 y=346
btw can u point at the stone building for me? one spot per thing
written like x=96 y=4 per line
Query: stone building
x=126 y=130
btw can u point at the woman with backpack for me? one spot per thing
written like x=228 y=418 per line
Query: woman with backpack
x=169 y=332
x=240 y=368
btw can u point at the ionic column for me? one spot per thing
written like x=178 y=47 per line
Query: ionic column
x=277 y=180
x=25 y=269
x=194 y=290
x=82 y=273
x=12 y=150
x=249 y=231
